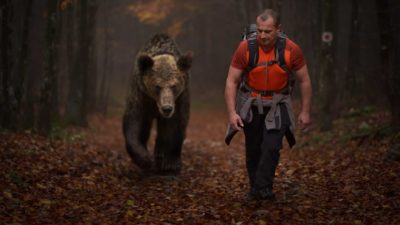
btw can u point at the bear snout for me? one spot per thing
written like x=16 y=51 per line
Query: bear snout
x=166 y=104
x=167 y=111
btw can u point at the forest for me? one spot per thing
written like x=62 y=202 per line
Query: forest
x=65 y=74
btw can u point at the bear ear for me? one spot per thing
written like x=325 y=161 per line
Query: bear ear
x=185 y=61
x=145 y=62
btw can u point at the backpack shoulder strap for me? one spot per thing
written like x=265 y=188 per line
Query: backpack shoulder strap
x=280 y=50
x=280 y=58
x=253 y=53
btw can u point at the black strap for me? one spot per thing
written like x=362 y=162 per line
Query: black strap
x=280 y=57
x=253 y=53
x=280 y=50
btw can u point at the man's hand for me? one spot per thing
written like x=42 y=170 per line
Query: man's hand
x=235 y=121
x=304 y=120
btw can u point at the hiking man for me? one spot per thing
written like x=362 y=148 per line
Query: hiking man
x=259 y=100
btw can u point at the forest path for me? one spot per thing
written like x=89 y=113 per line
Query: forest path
x=328 y=178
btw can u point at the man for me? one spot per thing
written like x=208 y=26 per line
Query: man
x=262 y=101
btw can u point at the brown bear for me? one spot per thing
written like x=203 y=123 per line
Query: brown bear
x=159 y=90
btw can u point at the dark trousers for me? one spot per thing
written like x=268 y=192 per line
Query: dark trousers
x=262 y=149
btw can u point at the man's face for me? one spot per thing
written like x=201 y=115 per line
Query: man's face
x=266 y=32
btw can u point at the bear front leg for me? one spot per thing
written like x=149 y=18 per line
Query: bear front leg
x=167 y=154
x=136 y=133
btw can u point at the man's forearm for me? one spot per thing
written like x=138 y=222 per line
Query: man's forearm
x=230 y=96
x=231 y=85
x=306 y=96
x=305 y=89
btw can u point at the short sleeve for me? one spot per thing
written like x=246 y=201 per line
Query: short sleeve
x=239 y=59
x=296 y=56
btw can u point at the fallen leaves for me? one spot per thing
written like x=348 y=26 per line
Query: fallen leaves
x=92 y=180
x=7 y=194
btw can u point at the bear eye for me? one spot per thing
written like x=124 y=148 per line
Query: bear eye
x=174 y=88
x=158 y=89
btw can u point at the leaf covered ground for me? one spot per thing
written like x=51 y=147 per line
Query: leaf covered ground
x=86 y=177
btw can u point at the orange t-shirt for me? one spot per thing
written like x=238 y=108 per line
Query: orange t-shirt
x=296 y=62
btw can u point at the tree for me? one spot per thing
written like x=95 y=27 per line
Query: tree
x=6 y=63
x=102 y=102
x=327 y=70
x=75 y=113
x=248 y=10
x=20 y=76
x=390 y=57
x=49 y=90
x=351 y=77
x=92 y=58
x=242 y=12
x=78 y=96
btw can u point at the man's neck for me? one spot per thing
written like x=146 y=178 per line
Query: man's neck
x=266 y=48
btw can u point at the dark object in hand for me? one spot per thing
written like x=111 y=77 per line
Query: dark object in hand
x=230 y=132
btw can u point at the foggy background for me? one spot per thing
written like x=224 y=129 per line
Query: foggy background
x=77 y=55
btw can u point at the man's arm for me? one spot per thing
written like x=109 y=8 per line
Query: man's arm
x=303 y=77
x=232 y=82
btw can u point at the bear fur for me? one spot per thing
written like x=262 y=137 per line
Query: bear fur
x=159 y=91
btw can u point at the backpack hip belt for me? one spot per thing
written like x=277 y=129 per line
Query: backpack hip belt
x=244 y=87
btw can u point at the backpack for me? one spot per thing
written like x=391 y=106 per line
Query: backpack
x=250 y=34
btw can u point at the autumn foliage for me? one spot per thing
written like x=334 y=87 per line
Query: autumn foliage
x=172 y=12
x=84 y=176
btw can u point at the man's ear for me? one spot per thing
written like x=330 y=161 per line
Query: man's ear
x=185 y=62
x=145 y=63
x=279 y=28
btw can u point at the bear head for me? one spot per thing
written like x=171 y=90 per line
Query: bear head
x=164 y=78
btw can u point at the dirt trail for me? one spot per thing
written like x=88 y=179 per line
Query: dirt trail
x=93 y=181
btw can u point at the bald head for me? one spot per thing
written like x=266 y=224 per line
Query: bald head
x=267 y=14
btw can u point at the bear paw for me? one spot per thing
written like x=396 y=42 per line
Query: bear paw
x=145 y=164
x=165 y=166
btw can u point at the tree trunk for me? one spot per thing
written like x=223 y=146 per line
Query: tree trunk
x=92 y=60
x=20 y=76
x=327 y=70
x=259 y=5
x=48 y=111
x=351 y=77
x=106 y=51
x=6 y=64
x=77 y=97
x=242 y=12
x=390 y=57
x=276 y=5
x=108 y=89
x=70 y=50
x=316 y=31
x=395 y=79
